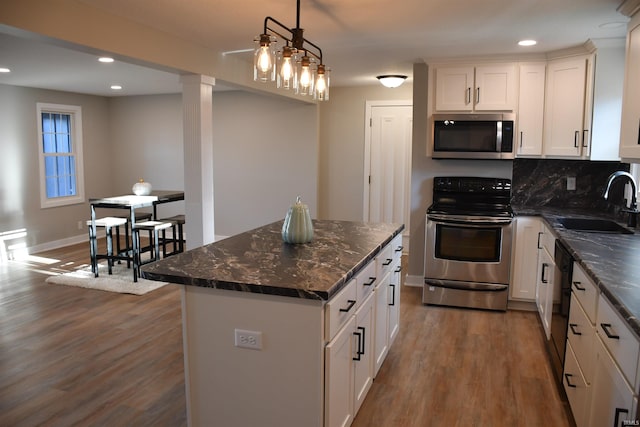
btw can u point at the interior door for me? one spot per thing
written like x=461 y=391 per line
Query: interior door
x=388 y=164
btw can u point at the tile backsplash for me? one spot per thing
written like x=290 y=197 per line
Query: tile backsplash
x=543 y=182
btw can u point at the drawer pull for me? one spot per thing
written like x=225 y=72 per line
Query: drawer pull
x=351 y=302
x=543 y=279
x=398 y=269
x=399 y=248
x=387 y=262
x=568 y=378
x=578 y=287
x=605 y=328
x=573 y=329
x=393 y=294
x=617 y=418
x=371 y=281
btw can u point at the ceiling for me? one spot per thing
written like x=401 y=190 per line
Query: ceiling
x=359 y=38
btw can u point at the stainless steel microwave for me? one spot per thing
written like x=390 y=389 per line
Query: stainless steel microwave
x=473 y=136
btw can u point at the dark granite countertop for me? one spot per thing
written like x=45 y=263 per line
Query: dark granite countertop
x=259 y=261
x=611 y=260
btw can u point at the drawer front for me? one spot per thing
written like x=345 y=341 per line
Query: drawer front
x=396 y=247
x=384 y=261
x=339 y=309
x=576 y=388
x=366 y=281
x=618 y=339
x=581 y=335
x=548 y=240
x=585 y=290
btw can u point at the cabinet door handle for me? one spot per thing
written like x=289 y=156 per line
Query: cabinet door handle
x=577 y=284
x=584 y=132
x=638 y=131
x=351 y=303
x=617 y=418
x=393 y=294
x=521 y=138
x=568 y=378
x=387 y=262
x=364 y=335
x=543 y=279
x=371 y=281
x=468 y=96
x=575 y=138
x=573 y=328
x=477 y=95
x=605 y=327
x=540 y=233
x=358 y=353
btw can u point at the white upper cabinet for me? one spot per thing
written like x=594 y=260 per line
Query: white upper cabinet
x=630 y=127
x=530 y=109
x=479 y=88
x=565 y=130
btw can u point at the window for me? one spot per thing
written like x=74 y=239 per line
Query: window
x=60 y=148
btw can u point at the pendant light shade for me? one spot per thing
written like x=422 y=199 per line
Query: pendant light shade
x=392 y=80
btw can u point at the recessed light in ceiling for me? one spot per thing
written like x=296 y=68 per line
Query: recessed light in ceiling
x=105 y=59
x=4 y=70
x=116 y=87
x=527 y=43
x=612 y=25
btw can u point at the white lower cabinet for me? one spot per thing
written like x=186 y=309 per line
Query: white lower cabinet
x=394 y=302
x=613 y=401
x=381 y=339
x=338 y=382
x=525 y=258
x=544 y=289
x=576 y=387
x=363 y=360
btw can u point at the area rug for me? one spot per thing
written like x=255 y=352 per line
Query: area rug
x=121 y=280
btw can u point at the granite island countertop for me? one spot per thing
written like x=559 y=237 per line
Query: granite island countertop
x=611 y=260
x=259 y=261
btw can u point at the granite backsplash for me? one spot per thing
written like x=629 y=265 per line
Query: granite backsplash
x=543 y=182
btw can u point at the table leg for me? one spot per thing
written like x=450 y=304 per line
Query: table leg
x=93 y=242
x=135 y=246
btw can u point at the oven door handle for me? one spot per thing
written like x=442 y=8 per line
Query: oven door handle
x=468 y=286
x=466 y=220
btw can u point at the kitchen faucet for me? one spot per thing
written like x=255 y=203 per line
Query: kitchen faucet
x=633 y=207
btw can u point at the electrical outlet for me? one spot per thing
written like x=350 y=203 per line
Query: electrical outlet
x=80 y=225
x=571 y=183
x=248 y=339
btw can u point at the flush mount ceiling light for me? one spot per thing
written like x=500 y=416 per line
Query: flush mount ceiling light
x=4 y=70
x=392 y=80
x=527 y=43
x=105 y=59
x=296 y=65
x=116 y=87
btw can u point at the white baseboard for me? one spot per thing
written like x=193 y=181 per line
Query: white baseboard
x=59 y=243
x=415 y=281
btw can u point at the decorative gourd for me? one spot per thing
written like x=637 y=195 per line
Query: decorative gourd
x=297 y=226
x=141 y=188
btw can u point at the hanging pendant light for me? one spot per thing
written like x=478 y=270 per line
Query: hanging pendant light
x=297 y=65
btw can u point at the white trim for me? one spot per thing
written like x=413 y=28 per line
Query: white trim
x=76 y=125
x=414 y=281
x=367 y=146
x=47 y=246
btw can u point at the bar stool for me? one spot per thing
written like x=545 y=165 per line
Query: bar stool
x=154 y=228
x=140 y=216
x=108 y=223
x=177 y=221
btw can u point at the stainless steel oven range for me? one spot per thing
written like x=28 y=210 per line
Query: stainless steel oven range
x=468 y=243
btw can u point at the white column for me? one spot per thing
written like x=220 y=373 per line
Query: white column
x=197 y=111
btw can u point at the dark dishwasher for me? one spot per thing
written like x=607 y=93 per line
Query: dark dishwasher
x=560 y=315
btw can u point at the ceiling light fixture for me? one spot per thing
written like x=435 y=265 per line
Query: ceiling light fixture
x=527 y=43
x=391 y=80
x=116 y=87
x=4 y=70
x=105 y=59
x=296 y=66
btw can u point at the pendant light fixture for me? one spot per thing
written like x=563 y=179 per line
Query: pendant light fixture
x=296 y=65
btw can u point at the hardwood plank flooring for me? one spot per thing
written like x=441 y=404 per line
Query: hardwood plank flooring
x=79 y=357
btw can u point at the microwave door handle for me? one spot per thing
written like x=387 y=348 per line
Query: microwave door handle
x=499 y=136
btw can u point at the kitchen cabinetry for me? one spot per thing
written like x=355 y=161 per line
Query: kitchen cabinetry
x=545 y=278
x=567 y=115
x=530 y=109
x=480 y=88
x=630 y=126
x=525 y=259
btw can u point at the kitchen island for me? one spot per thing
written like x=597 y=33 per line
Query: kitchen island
x=262 y=319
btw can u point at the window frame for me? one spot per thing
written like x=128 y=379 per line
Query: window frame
x=75 y=112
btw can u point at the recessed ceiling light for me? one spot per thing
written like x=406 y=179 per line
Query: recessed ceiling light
x=527 y=42
x=4 y=70
x=105 y=59
x=116 y=87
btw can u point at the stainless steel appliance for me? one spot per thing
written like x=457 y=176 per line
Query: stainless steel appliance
x=473 y=136
x=468 y=243
x=560 y=314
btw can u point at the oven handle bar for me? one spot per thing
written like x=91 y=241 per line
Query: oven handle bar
x=467 y=219
x=467 y=286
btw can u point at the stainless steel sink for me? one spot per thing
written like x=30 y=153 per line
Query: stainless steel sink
x=593 y=225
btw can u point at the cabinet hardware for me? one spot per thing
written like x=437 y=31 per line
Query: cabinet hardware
x=573 y=328
x=364 y=335
x=398 y=269
x=351 y=303
x=578 y=287
x=540 y=233
x=575 y=138
x=617 y=417
x=358 y=353
x=399 y=248
x=371 y=281
x=387 y=262
x=543 y=279
x=567 y=377
x=468 y=96
x=584 y=132
x=521 y=138
x=638 y=131
x=605 y=327
x=477 y=95
x=393 y=295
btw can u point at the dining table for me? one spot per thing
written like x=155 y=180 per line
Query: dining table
x=130 y=202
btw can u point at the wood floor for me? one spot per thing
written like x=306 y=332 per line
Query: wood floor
x=79 y=357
